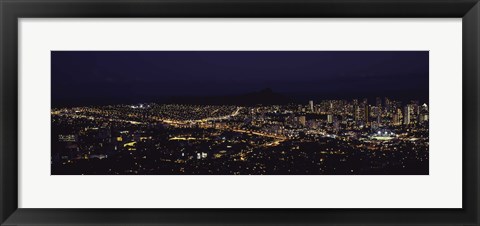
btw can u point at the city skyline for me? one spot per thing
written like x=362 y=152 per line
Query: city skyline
x=357 y=136
x=205 y=124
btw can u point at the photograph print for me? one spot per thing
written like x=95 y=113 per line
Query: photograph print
x=239 y=112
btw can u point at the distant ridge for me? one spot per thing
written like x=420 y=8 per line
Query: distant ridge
x=265 y=96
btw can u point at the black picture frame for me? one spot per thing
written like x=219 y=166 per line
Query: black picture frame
x=12 y=10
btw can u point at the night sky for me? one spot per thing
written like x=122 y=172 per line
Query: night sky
x=107 y=77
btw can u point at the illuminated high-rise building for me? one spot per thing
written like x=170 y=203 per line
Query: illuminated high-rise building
x=400 y=116
x=329 y=118
x=367 y=114
x=423 y=114
x=312 y=109
x=355 y=102
x=355 y=109
x=396 y=119
x=365 y=101
x=387 y=105
x=406 y=115
x=379 y=102
x=358 y=113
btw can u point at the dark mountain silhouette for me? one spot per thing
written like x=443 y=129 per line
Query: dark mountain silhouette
x=265 y=97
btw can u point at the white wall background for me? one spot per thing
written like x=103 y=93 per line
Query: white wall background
x=441 y=189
